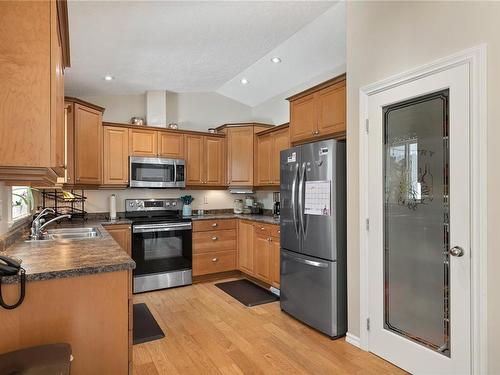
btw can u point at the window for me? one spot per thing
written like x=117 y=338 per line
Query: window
x=21 y=202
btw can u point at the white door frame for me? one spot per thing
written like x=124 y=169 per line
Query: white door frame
x=476 y=59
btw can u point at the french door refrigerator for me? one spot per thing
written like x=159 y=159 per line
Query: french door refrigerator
x=313 y=235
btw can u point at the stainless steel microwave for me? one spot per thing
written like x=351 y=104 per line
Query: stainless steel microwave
x=157 y=172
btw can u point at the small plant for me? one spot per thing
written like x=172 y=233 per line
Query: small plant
x=187 y=199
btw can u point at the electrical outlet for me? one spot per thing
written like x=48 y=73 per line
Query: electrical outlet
x=205 y=199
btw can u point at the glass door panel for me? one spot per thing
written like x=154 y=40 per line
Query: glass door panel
x=416 y=220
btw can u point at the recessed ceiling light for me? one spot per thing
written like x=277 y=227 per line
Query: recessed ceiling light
x=244 y=81
x=109 y=78
x=276 y=60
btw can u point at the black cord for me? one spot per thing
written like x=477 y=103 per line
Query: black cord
x=21 y=297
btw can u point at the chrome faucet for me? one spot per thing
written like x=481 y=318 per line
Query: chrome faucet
x=39 y=223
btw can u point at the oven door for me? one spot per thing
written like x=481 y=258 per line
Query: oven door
x=161 y=247
x=156 y=172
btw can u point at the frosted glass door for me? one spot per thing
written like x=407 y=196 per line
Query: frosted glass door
x=416 y=220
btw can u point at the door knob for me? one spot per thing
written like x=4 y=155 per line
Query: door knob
x=457 y=251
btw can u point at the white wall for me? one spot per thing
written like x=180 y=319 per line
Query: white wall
x=277 y=110
x=5 y=200
x=193 y=111
x=98 y=200
x=386 y=38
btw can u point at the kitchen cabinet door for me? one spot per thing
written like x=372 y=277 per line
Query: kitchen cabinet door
x=275 y=262
x=331 y=109
x=143 y=142
x=88 y=145
x=115 y=156
x=263 y=159
x=281 y=141
x=57 y=87
x=303 y=124
x=245 y=247
x=194 y=159
x=170 y=145
x=213 y=148
x=262 y=256
x=240 y=144
x=69 y=129
x=122 y=235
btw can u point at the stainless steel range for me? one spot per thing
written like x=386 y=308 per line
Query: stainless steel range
x=161 y=243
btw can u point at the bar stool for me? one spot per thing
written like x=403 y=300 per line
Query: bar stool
x=53 y=359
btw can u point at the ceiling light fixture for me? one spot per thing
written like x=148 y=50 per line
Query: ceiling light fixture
x=276 y=60
x=109 y=78
x=244 y=81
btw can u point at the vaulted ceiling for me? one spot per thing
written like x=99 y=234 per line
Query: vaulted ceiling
x=188 y=46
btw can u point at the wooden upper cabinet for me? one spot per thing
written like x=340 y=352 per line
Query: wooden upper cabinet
x=194 y=159
x=331 y=109
x=263 y=159
x=267 y=158
x=34 y=52
x=69 y=130
x=88 y=145
x=281 y=141
x=115 y=155
x=240 y=144
x=245 y=247
x=143 y=142
x=320 y=112
x=214 y=160
x=170 y=145
x=302 y=118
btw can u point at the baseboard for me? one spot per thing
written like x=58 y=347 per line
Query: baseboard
x=353 y=340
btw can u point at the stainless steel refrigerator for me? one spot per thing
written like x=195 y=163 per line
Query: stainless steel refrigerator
x=313 y=235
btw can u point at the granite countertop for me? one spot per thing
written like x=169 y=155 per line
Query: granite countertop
x=47 y=260
x=260 y=218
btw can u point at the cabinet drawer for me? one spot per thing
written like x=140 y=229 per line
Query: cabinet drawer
x=205 y=225
x=263 y=229
x=214 y=240
x=204 y=264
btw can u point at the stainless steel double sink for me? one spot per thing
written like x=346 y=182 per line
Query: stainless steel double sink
x=68 y=234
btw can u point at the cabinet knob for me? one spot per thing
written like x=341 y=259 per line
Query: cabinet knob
x=78 y=178
x=214 y=238
x=214 y=225
x=215 y=260
x=279 y=231
x=262 y=228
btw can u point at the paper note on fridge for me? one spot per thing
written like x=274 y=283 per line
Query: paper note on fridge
x=317 y=198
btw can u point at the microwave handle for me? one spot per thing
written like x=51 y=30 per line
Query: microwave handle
x=175 y=171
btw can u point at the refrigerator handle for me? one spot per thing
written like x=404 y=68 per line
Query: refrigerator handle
x=301 y=198
x=294 y=200
x=307 y=261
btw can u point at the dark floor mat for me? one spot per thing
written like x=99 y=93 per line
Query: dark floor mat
x=247 y=292
x=145 y=326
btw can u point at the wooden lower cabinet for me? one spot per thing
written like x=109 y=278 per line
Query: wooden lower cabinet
x=121 y=233
x=245 y=247
x=275 y=263
x=90 y=312
x=214 y=246
x=262 y=256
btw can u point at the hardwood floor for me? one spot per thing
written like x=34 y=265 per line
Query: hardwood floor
x=209 y=332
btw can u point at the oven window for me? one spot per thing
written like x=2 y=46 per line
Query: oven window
x=159 y=252
x=153 y=172
x=162 y=247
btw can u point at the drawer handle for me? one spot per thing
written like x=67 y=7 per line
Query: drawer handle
x=214 y=238
x=214 y=225
x=214 y=260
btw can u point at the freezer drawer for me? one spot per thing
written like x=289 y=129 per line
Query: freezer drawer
x=309 y=292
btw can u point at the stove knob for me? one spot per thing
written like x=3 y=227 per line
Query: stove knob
x=131 y=204
x=167 y=204
x=174 y=204
x=140 y=205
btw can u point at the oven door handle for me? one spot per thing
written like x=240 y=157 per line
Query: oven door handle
x=160 y=228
